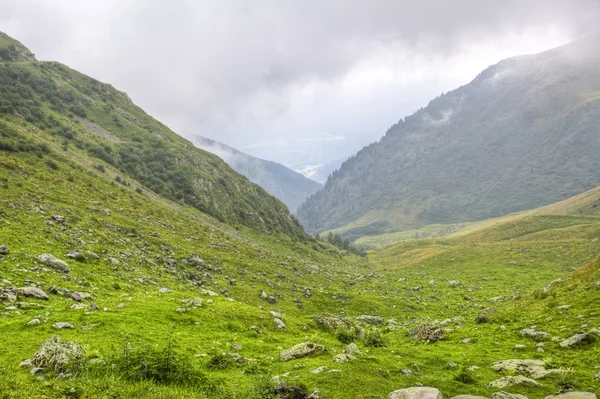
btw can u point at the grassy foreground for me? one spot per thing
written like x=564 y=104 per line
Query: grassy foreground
x=144 y=245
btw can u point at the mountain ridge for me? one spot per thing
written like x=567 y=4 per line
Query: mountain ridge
x=483 y=150
x=291 y=187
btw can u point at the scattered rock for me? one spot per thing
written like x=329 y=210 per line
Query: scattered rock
x=427 y=332
x=32 y=292
x=352 y=349
x=34 y=322
x=27 y=363
x=277 y=315
x=57 y=354
x=575 y=340
x=484 y=315
x=519 y=347
x=343 y=358
x=36 y=370
x=4 y=250
x=266 y=297
x=597 y=376
x=301 y=350
x=573 y=395
x=533 y=368
x=55 y=263
x=79 y=296
x=506 y=395
x=510 y=381
x=62 y=324
x=468 y=397
x=330 y=322
x=279 y=323
x=164 y=290
x=536 y=335
x=416 y=393
x=93 y=306
x=454 y=283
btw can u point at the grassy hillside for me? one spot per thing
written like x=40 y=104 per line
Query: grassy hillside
x=92 y=122
x=53 y=205
x=290 y=187
x=522 y=134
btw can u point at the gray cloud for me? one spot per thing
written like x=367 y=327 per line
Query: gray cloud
x=264 y=71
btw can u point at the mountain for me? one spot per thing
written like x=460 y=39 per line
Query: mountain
x=112 y=290
x=318 y=173
x=523 y=133
x=289 y=186
x=47 y=104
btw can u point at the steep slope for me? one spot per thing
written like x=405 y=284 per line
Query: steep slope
x=93 y=122
x=523 y=134
x=290 y=187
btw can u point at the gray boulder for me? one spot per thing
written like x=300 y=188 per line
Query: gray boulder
x=511 y=381
x=352 y=349
x=506 y=395
x=62 y=324
x=56 y=354
x=279 y=323
x=55 y=263
x=536 y=335
x=573 y=395
x=343 y=358
x=4 y=250
x=301 y=350
x=575 y=340
x=416 y=393
x=32 y=292
x=533 y=368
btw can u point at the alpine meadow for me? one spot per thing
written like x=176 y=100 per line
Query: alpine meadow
x=456 y=257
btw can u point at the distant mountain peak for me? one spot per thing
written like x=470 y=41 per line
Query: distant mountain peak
x=12 y=50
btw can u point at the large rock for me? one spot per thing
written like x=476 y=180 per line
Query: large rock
x=55 y=263
x=573 y=395
x=533 y=368
x=301 y=350
x=32 y=292
x=575 y=340
x=536 y=335
x=506 y=395
x=330 y=322
x=56 y=354
x=416 y=393
x=352 y=349
x=343 y=358
x=511 y=381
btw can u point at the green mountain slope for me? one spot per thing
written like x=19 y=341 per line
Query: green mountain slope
x=290 y=187
x=523 y=134
x=100 y=126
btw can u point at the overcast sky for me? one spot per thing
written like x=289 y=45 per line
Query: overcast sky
x=301 y=81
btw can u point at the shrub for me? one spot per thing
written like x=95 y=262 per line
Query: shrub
x=166 y=366
x=374 y=338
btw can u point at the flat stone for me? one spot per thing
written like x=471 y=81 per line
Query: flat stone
x=416 y=393
x=32 y=292
x=506 y=395
x=55 y=263
x=34 y=322
x=62 y=324
x=343 y=358
x=301 y=350
x=575 y=340
x=573 y=395
x=511 y=381
x=533 y=368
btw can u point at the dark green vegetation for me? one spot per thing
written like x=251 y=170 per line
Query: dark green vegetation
x=166 y=301
x=523 y=134
x=290 y=187
x=92 y=122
